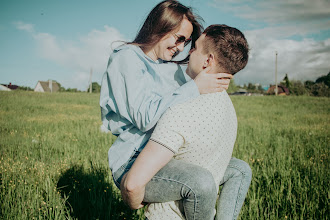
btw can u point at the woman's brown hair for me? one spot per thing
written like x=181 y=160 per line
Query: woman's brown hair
x=164 y=18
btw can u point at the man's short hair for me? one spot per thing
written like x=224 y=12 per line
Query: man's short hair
x=229 y=47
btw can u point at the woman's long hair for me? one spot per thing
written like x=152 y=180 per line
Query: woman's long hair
x=164 y=18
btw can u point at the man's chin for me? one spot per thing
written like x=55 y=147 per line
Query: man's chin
x=188 y=72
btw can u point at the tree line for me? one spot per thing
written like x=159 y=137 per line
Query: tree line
x=319 y=87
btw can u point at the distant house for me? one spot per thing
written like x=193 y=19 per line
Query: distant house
x=8 y=87
x=4 y=88
x=265 y=88
x=281 y=90
x=47 y=86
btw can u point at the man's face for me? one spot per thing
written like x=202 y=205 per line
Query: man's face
x=197 y=58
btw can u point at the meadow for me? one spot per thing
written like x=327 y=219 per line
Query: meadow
x=53 y=157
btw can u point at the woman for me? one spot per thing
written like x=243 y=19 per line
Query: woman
x=137 y=88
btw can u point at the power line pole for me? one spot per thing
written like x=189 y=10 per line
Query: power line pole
x=276 y=90
x=90 y=81
x=50 y=85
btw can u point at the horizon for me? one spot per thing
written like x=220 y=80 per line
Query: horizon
x=62 y=40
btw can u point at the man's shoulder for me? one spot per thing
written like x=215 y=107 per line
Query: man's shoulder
x=204 y=101
x=215 y=105
x=208 y=104
x=218 y=98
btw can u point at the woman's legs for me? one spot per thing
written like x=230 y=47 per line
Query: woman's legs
x=192 y=184
x=179 y=180
x=236 y=182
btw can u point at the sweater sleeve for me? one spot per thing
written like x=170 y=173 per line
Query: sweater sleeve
x=127 y=90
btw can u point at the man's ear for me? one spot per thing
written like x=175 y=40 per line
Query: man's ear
x=209 y=61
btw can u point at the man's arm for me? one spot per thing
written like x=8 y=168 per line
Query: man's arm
x=151 y=159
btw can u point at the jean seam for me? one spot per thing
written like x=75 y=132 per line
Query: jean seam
x=115 y=180
x=239 y=189
x=196 y=200
x=123 y=169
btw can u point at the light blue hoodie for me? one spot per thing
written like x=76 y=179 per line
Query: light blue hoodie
x=135 y=92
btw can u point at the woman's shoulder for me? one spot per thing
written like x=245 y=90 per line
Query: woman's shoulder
x=124 y=56
x=127 y=60
x=127 y=51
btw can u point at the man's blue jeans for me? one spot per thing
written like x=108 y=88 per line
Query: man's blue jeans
x=196 y=187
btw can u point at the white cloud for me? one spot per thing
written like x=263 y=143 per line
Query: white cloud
x=304 y=59
x=91 y=51
x=303 y=16
x=301 y=60
x=276 y=11
x=26 y=27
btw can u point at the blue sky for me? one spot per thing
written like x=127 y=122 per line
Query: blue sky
x=63 y=40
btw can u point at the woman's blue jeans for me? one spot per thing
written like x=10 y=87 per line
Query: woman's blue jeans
x=235 y=185
x=196 y=188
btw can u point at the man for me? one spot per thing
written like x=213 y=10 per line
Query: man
x=201 y=132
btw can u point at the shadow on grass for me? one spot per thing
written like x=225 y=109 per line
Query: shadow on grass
x=89 y=195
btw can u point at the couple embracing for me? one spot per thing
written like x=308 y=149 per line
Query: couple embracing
x=175 y=124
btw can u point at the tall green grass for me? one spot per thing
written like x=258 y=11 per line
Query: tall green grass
x=53 y=157
x=286 y=142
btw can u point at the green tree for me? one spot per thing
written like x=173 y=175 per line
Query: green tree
x=232 y=87
x=309 y=83
x=308 y=86
x=320 y=89
x=71 y=90
x=96 y=88
x=298 y=88
x=251 y=87
x=324 y=79
x=286 y=82
x=260 y=89
x=62 y=89
x=25 y=88
x=321 y=86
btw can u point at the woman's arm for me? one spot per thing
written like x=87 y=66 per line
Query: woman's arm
x=127 y=90
x=130 y=88
x=151 y=159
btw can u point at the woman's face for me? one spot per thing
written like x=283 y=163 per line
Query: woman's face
x=169 y=44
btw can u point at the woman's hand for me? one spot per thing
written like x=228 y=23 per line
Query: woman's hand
x=212 y=82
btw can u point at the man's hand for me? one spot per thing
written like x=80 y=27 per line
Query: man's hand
x=210 y=83
x=151 y=159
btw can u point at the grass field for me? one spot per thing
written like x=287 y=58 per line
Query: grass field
x=53 y=157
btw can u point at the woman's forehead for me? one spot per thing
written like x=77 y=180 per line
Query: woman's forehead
x=185 y=28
